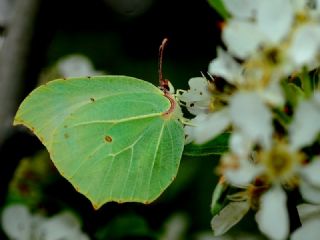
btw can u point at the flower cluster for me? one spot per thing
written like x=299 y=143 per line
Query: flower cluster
x=263 y=88
x=28 y=226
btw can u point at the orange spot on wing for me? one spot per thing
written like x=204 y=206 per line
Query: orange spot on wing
x=108 y=139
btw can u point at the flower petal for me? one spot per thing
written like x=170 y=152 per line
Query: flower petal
x=189 y=134
x=272 y=218
x=273 y=94
x=198 y=84
x=198 y=98
x=311 y=172
x=76 y=66
x=309 y=230
x=305 y=125
x=208 y=126
x=242 y=38
x=241 y=8
x=16 y=222
x=309 y=192
x=242 y=174
x=198 y=90
x=307 y=211
x=252 y=117
x=228 y=217
x=317 y=4
x=275 y=18
x=299 y=5
x=305 y=45
x=61 y=226
x=225 y=66
x=239 y=144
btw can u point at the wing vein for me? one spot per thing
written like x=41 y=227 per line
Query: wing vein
x=155 y=156
x=116 y=121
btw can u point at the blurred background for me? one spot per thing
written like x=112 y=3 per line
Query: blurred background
x=119 y=37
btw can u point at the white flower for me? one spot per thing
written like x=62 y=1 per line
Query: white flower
x=270 y=24
x=19 y=228
x=246 y=112
x=272 y=217
x=207 y=126
x=242 y=38
x=281 y=164
x=273 y=38
x=239 y=171
x=61 y=226
x=225 y=66
x=275 y=18
x=36 y=227
x=252 y=117
x=198 y=98
x=76 y=66
x=246 y=79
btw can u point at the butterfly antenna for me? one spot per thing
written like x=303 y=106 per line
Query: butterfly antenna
x=162 y=82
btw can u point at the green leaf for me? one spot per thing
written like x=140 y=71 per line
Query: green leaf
x=217 y=146
x=219 y=7
x=293 y=93
x=306 y=82
x=115 y=138
x=219 y=196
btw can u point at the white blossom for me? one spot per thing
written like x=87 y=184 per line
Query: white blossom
x=269 y=25
x=267 y=41
x=270 y=38
x=205 y=127
x=62 y=225
x=252 y=117
x=247 y=113
x=245 y=170
x=225 y=66
x=76 y=66
x=19 y=228
x=275 y=18
x=198 y=97
x=272 y=217
x=242 y=38
x=28 y=226
x=239 y=172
